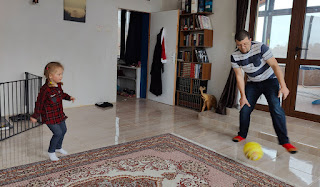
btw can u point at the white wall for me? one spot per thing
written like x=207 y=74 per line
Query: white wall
x=32 y=35
x=224 y=27
x=171 y=4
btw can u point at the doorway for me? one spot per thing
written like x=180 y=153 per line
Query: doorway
x=133 y=45
x=290 y=28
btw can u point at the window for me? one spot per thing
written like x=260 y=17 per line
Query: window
x=273 y=25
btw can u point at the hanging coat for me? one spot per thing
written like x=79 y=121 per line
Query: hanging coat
x=157 y=68
x=163 y=46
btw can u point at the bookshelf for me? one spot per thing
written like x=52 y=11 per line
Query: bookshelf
x=193 y=66
x=128 y=77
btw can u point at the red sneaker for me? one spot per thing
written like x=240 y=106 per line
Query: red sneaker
x=290 y=148
x=237 y=139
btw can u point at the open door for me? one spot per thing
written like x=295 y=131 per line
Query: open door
x=291 y=30
x=169 y=21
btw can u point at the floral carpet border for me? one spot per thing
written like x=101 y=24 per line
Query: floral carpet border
x=163 y=142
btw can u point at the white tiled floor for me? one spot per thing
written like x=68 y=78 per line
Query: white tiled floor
x=90 y=127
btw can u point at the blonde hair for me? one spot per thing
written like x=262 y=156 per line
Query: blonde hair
x=50 y=68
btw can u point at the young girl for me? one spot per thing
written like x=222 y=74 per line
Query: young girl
x=49 y=107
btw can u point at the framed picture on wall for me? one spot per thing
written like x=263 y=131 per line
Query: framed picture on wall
x=74 y=10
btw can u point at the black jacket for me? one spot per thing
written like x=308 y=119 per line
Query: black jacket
x=157 y=68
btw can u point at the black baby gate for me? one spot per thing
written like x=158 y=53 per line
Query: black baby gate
x=17 y=100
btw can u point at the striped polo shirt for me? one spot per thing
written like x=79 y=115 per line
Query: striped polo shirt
x=254 y=62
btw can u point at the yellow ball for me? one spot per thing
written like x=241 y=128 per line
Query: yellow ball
x=253 y=151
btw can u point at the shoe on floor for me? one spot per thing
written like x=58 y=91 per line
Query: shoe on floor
x=237 y=139
x=62 y=151
x=104 y=104
x=53 y=157
x=290 y=148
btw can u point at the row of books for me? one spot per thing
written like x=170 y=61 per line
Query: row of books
x=195 y=6
x=183 y=84
x=190 y=101
x=196 y=83
x=201 y=22
x=191 y=70
x=201 y=56
x=186 y=23
x=193 y=39
x=185 y=56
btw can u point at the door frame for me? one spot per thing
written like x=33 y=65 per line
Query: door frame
x=292 y=64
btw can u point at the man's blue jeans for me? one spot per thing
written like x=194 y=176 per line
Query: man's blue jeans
x=270 y=89
x=58 y=130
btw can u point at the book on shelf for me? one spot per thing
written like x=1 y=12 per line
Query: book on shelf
x=185 y=69
x=184 y=55
x=201 y=55
x=188 y=6
x=186 y=23
x=208 y=5
x=193 y=39
x=184 y=84
x=204 y=22
x=197 y=23
x=201 y=5
x=190 y=101
x=192 y=70
x=183 y=6
x=179 y=58
x=194 y=6
x=196 y=84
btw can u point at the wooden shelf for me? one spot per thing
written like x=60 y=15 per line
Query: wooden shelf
x=129 y=67
x=188 y=93
x=124 y=77
x=193 y=62
x=206 y=70
x=195 y=30
x=198 y=13
x=187 y=86
x=128 y=77
x=195 y=46
x=207 y=40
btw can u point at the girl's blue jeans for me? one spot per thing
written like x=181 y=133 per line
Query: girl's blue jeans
x=58 y=130
x=270 y=89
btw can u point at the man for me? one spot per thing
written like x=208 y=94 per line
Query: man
x=264 y=76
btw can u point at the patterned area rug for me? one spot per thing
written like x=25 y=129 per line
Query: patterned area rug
x=164 y=160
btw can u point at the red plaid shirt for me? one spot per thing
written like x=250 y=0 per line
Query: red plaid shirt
x=49 y=104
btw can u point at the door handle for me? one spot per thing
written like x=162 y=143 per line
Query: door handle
x=299 y=49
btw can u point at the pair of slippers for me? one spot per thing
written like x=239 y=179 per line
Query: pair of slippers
x=104 y=104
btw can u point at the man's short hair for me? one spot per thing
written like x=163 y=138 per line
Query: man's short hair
x=242 y=35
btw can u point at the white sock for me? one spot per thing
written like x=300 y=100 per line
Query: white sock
x=62 y=151
x=53 y=157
